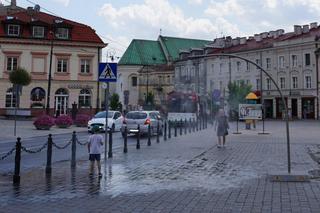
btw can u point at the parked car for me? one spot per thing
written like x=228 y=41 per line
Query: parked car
x=142 y=118
x=115 y=120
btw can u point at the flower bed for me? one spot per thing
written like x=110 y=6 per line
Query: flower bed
x=63 y=121
x=82 y=120
x=43 y=122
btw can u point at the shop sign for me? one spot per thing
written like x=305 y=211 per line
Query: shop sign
x=80 y=86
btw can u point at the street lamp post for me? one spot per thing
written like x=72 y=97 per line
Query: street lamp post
x=49 y=77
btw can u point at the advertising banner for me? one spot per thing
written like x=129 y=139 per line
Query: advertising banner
x=250 y=111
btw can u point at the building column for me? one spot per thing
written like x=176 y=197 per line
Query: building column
x=299 y=108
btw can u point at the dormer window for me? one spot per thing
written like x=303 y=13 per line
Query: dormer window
x=13 y=30
x=38 y=32
x=62 y=33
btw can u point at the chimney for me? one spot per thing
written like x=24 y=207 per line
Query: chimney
x=13 y=3
x=313 y=25
x=236 y=41
x=297 y=29
x=264 y=35
x=243 y=40
x=271 y=34
x=280 y=32
x=257 y=37
x=305 y=28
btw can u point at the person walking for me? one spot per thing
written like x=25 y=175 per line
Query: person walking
x=95 y=143
x=221 y=127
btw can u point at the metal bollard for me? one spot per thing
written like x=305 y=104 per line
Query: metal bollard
x=185 y=126
x=49 y=155
x=169 y=129
x=165 y=131
x=158 y=132
x=181 y=123
x=175 y=129
x=125 y=140
x=110 y=154
x=16 y=176
x=73 y=150
x=149 y=135
x=189 y=125
x=138 y=138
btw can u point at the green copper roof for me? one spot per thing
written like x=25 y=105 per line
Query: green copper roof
x=148 y=52
x=143 y=52
x=173 y=45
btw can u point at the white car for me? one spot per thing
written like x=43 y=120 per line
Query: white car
x=115 y=120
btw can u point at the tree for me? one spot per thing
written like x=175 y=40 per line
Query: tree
x=115 y=104
x=237 y=95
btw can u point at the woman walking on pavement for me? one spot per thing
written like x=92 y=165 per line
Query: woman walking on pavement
x=221 y=127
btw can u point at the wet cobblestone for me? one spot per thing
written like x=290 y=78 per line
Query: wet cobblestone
x=185 y=174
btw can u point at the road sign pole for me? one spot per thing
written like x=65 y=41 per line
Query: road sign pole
x=106 y=104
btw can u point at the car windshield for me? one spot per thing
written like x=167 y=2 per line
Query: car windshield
x=103 y=114
x=136 y=115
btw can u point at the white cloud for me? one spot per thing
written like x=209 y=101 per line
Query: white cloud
x=195 y=2
x=64 y=2
x=229 y=7
x=270 y=4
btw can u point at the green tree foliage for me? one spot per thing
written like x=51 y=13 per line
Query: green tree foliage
x=20 y=76
x=237 y=94
x=115 y=104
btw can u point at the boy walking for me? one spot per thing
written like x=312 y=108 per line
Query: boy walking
x=95 y=143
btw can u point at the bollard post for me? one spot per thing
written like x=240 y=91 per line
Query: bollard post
x=185 y=126
x=73 y=150
x=125 y=140
x=197 y=126
x=193 y=125
x=49 y=155
x=138 y=138
x=158 y=132
x=175 y=128
x=110 y=154
x=181 y=123
x=189 y=125
x=16 y=176
x=149 y=135
x=165 y=131
x=169 y=129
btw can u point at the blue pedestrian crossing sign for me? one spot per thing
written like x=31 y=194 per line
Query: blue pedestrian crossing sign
x=107 y=72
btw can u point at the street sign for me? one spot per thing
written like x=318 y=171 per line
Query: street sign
x=107 y=72
x=104 y=85
x=250 y=111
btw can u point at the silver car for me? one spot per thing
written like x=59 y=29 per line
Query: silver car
x=114 y=121
x=142 y=118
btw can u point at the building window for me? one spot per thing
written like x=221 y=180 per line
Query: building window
x=212 y=68
x=13 y=30
x=248 y=82
x=268 y=84
x=294 y=59
x=62 y=65
x=282 y=83
x=134 y=81
x=294 y=82
x=248 y=66
x=62 y=33
x=258 y=84
x=258 y=62
x=10 y=98
x=85 y=65
x=238 y=66
x=307 y=60
x=220 y=85
x=12 y=63
x=221 y=67
x=281 y=62
x=268 y=63
x=37 y=97
x=85 y=98
x=38 y=32
x=308 y=82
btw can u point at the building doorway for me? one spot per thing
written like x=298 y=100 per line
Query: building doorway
x=61 y=102
x=294 y=108
x=268 y=106
x=280 y=107
x=307 y=110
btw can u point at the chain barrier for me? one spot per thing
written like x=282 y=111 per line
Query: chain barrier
x=81 y=144
x=8 y=154
x=62 y=147
x=34 y=151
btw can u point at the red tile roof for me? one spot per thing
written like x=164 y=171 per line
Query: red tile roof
x=79 y=32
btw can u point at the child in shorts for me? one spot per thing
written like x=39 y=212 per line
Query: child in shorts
x=95 y=144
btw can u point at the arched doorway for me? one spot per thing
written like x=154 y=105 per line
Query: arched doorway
x=61 y=99
x=37 y=97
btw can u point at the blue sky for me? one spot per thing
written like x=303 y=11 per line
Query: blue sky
x=118 y=22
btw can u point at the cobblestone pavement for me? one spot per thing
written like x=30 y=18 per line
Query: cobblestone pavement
x=184 y=174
